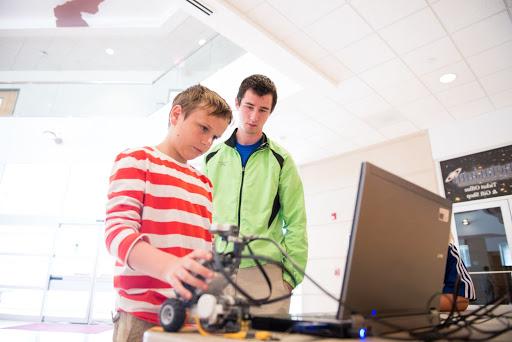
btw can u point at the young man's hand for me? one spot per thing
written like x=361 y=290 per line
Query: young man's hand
x=446 y=302
x=185 y=270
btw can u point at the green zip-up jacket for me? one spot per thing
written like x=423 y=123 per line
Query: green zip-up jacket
x=265 y=199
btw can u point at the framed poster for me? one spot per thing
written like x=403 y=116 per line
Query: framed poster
x=477 y=176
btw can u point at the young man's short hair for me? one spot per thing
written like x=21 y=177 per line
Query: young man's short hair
x=261 y=85
x=198 y=96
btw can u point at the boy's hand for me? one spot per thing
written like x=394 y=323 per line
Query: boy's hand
x=186 y=269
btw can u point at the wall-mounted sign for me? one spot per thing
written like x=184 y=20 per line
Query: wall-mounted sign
x=478 y=176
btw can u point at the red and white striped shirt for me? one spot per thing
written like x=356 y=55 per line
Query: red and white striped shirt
x=166 y=203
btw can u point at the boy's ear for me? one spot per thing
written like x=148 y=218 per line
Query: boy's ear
x=237 y=103
x=174 y=115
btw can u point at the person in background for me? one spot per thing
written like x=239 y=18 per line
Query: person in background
x=455 y=268
x=257 y=187
x=159 y=213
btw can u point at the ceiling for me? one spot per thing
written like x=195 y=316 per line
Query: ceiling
x=368 y=70
x=154 y=41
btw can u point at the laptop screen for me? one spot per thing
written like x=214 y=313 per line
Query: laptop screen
x=398 y=244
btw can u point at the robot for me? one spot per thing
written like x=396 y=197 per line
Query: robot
x=216 y=312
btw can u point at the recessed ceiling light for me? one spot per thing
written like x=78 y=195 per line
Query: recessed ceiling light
x=447 y=78
x=109 y=51
x=201 y=41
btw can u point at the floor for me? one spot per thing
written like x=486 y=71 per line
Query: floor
x=16 y=331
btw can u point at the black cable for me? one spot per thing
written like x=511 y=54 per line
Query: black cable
x=296 y=266
x=251 y=299
x=283 y=268
x=451 y=328
x=454 y=303
x=434 y=333
x=454 y=297
x=486 y=309
x=239 y=245
x=470 y=321
x=300 y=270
x=262 y=271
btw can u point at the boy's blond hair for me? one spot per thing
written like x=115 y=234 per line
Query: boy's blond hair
x=199 y=96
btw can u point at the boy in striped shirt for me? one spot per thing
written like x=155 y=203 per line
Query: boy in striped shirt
x=159 y=212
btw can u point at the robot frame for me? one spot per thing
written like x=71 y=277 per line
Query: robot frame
x=215 y=311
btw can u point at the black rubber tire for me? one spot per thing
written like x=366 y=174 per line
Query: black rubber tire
x=172 y=314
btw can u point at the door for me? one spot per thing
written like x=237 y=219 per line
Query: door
x=71 y=277
x=484 y=234
x=25 y=251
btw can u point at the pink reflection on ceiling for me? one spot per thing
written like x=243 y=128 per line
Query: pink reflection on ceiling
x=69 y=14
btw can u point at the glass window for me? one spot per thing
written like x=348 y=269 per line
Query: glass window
x=76 y=241
x=21 y=301
x=67 y=303
x=32 y=240
x=35 y=189
x=505 y=258
x=19 y=270
x=485 y=251
x=464 y=254
x=87 y=199
x=492 y=286
x=72 y=266
x=75 y=250
x=482 y=232
x=104 y=301
x=106 y=263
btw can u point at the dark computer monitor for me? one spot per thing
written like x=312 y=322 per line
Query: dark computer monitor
x=395 y=262
x=398 y=245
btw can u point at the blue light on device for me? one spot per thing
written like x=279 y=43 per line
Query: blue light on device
x=362 y=333
x=374 y=312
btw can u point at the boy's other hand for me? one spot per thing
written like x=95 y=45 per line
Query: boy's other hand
x=185 y=270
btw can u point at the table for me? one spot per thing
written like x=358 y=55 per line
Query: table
x=158 y=335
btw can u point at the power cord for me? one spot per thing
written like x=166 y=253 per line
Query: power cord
x=450 y=329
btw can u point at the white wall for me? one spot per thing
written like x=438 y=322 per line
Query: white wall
x=22 y=140
x=330 y=187
x=482 y=133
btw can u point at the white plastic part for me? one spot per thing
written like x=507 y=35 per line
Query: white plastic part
x=207 y=307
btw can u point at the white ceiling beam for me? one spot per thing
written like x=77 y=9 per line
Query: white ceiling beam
x=234 y=25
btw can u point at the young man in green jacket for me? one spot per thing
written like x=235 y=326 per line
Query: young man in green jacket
x=256 y=186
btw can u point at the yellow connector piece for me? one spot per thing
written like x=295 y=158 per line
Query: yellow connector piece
x=241 y=335
x=263 y=336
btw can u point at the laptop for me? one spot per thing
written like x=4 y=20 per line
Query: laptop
x=395 y=262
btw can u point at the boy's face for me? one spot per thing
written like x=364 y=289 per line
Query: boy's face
x=193 y=136
x=254 y=112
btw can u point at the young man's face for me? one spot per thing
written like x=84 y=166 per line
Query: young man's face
x=254 y=112
x=193 y=136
